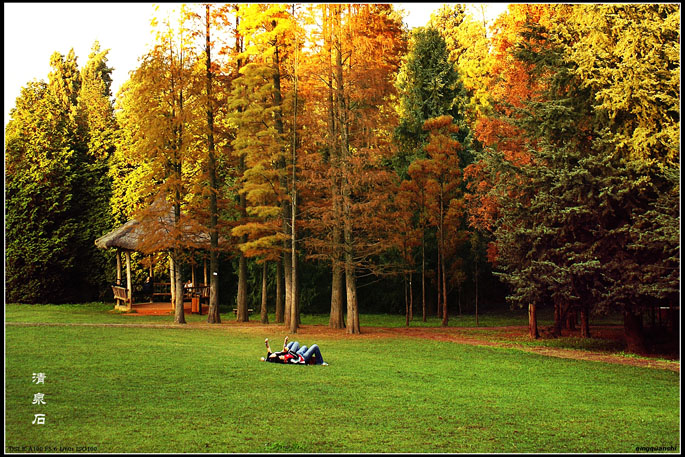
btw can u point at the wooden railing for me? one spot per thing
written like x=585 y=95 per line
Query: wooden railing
x=162 y=289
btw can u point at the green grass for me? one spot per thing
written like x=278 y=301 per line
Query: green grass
x=204 y=390
x=102 y=313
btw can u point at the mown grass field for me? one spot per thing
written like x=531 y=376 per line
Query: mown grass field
x=139 y=389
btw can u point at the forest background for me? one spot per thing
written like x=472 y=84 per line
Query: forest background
x=338 y=162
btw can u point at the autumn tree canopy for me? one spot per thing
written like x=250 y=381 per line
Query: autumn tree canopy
x=538 y=154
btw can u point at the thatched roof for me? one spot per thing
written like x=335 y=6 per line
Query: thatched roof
x=154 y=231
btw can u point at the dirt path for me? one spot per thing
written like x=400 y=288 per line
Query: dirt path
x=577 y=354
x=460 y=335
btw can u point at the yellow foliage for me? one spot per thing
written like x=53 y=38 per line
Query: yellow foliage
x=630 y=56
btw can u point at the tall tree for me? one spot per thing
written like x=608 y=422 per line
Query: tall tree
x=567 y=234
x=98 y=128
x=260 y=94
x=212 y=19
x=347 y=166
x=631 y=65
x=158 y=104
x=428 y=86
x=494 y=177
x=58 y=143
x=444 y=179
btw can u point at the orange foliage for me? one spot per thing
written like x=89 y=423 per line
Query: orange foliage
x=347 y=75
x=511 y=87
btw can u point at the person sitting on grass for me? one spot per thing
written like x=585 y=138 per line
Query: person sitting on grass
x=294 y=354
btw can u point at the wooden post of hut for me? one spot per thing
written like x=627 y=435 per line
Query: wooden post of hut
x=129 y=284
x=172 y=282
x=152 y=280
x=204 y=261
x=116 y=300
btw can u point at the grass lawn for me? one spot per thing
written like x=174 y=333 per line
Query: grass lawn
x=102 y=313
x=126 y=389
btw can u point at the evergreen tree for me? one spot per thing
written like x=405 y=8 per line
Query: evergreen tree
x=57 y=145
x=574 y=233
x=428 y=86
x=98 y=126
x=39 y=225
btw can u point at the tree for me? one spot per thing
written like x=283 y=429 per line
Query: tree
x=444 y=182
x=58 y=143
x=428 y=86
x=157 y=104
x=418 y=186
x=213 y=19
x=407 y=237
x=564 y=235
x=258 y=100
x=494 y=181
x=347 y=167
x=40 y=229
x=635 y=85
x=430 y=93
x=97 y=124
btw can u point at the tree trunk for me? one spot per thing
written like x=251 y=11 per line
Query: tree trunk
x=423 y=275
x=213 y=314
x=294 y=311
x=571 y=320
x=350 y=273
x=179 y=314
x=438 y=311
x=279 y=292
x=129 y=283
x=285 y=207
x=337 y=318
x=459 y=298
x=556 y=328
x=445 y=316
x=441 y=258
x=632 y=325
x=116 y=301
x=584 y=322
x=264 y=315
x=172 y=281
x=411 y=298
x=352 y=309
x=295 y=308
x=406 y=302
x=533 y=322
x=242 y=314
x=476 y=286
x=298 y=285
x=287 y=276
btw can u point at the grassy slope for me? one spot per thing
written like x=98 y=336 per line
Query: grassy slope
x=203 y=390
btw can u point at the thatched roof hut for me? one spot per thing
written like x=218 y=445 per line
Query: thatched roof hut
x=153 y=231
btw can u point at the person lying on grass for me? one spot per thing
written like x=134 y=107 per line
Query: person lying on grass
x=294 y=354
